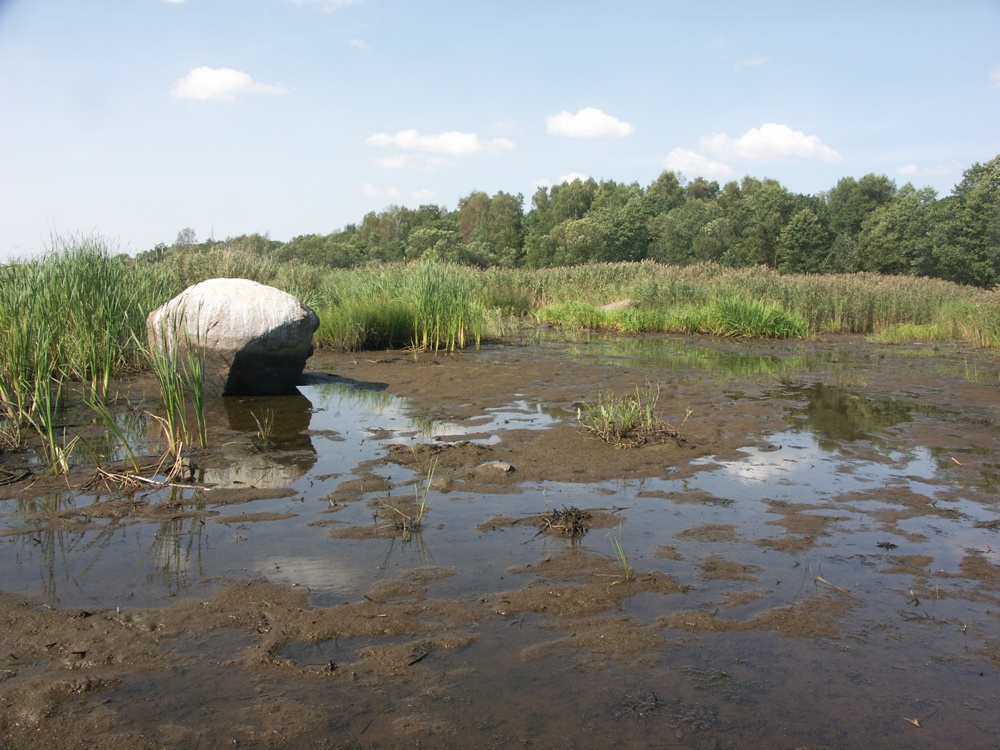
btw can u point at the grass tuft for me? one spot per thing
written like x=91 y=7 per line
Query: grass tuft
x=631 y=420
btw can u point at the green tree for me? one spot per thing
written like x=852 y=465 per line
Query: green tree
x=971 y=252
x=665 y=194
x=552 y=207
x=674 y=234
x=186 y=237
x=435 y=243
x=473 y=211
x=843 y=256
x=899 y=237
x=571 y=200
x=852 y=200
x=803 y=244
x=504 y=229
x=576 y=241
x=626 y=230
x=757 y=211
x=701 y=189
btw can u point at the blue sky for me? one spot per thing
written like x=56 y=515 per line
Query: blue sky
x=133 y=119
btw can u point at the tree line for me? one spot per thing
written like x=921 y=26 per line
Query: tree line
x=866 y=224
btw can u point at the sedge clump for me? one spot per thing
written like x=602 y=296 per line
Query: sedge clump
x=631 y=420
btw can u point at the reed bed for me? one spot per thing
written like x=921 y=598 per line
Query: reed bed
x=78 y=313
x=427 y=306
x=737 y=317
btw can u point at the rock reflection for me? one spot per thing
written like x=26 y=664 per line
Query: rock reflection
x=291 y=452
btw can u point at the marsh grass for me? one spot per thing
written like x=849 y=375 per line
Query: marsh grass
x=178 y=368
x=11 y=435
x=77 y=314
x=356 y=325
x=412 y=522
x=909 y=332
x=264 y=440
x=57 y=446
x=445 y=315
x=626 y=572
x=100 y=408
x=423 y=497
x=732 y=316
x=631 y=420
x=741 y=317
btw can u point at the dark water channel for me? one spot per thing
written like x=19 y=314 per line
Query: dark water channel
x=837 y=508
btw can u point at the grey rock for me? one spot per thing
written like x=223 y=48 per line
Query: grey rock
x=502 y=466
x=622 y=304
x=253 y=339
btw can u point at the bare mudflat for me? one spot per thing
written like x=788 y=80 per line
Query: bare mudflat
x=432 y=551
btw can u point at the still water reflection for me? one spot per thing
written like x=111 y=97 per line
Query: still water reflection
x=54 y=547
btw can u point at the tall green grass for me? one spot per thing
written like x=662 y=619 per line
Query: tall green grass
x=429 y=306
x=72 y=315
x=727 y=316
x=78 y=313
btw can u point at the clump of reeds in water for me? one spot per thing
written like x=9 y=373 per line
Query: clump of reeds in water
x=72 y=315
x=445 y=315
x=631 y=420
x=176 y=361
x=736 y=317
x=427 y=305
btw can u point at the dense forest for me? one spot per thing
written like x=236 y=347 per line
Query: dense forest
x=866 y=224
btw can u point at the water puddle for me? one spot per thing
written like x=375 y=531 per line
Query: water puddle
x=835 y=544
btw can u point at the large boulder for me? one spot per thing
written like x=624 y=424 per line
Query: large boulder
x=253 y=339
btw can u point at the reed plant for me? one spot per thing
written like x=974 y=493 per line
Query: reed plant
x=626 y=572
x=175 y=359
x=77 y=314
x=264 y=440
x=47 y=402
x=356 y=325
x=411 y=521
x=741 y=317
x=423 y=498
x=445 y=315
x=100 y=408
x=628 y=421
x=163 y=363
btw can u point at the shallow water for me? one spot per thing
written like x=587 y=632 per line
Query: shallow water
x=833 y=506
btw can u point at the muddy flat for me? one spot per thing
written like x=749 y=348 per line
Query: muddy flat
x=432 y=551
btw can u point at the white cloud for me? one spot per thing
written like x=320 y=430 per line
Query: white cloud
x=370 y=190
x=205 y=83
x=692 y=163
x=587 y=123
x=995 y=77
x=452 y=143
x=770 y=142
x=358 y=44
x=431 y=151
x=573 y=176
x=174 y=2
x=912 y=170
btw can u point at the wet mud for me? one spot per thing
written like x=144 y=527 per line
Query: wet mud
x=431 y=551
